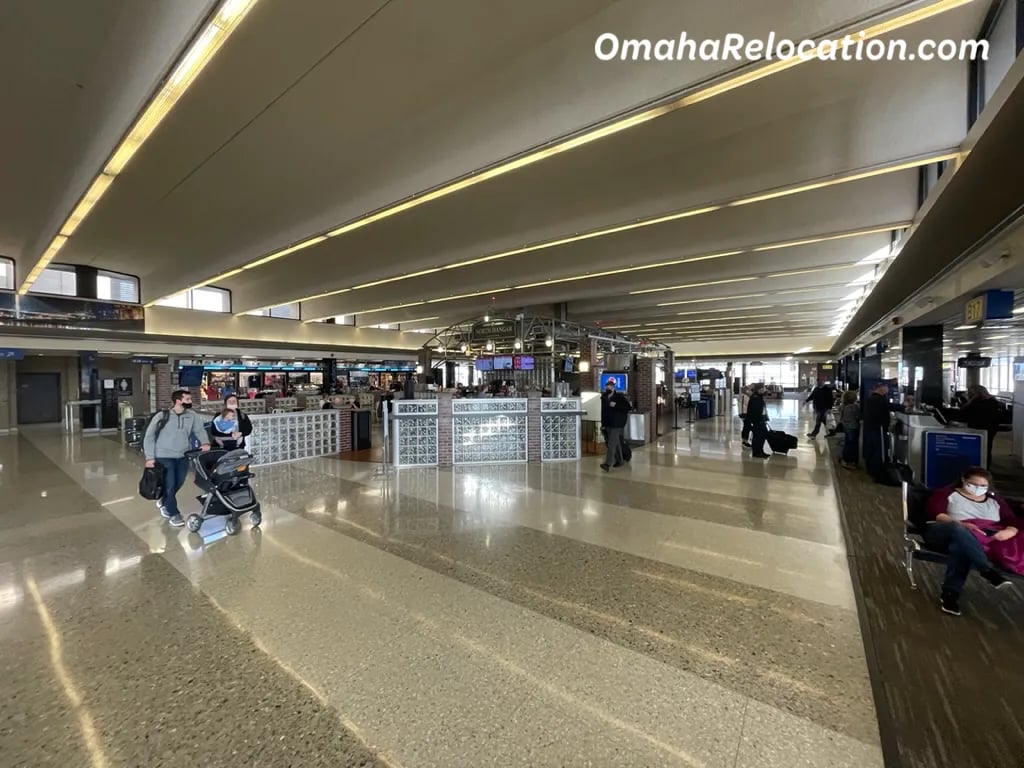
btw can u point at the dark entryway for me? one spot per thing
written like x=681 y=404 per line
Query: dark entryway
x=38 y=398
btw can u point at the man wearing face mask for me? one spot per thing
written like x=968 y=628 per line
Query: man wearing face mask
x=615 y=408
x=168 y=437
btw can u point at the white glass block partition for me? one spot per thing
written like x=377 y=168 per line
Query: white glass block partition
x=489 y=431
x=281 y=437
x=560 y=428
x=414 y=424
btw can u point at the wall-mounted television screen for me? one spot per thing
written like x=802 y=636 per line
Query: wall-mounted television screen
x=484 y=364
x=567 y=365
x=523 y=362
x=190 y=376
x=621 y=381
x=503 y=363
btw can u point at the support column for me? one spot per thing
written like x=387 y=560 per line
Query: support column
x=423 y=358
x=922 y=357
x=646 y=390
x=588 y=355
x=444 y=429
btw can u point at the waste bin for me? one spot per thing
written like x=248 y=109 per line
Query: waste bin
x=360 y=430
x=703 y=409
x=134 y=429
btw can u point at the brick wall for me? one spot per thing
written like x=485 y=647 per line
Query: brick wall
x=165 y=384
x=645 y=391
x=588 y=353
x=444 y=429
x=345 y=438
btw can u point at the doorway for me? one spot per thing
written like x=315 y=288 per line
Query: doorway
x=39 y=398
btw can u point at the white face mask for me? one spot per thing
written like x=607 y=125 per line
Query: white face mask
x=976 y=490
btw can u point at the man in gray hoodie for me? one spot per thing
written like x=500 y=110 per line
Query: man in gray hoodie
x=168 y=437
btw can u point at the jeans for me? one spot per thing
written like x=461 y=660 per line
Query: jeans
x=963 y=550
x=760 y=434
x=851 y=445
x=613 y=435
x=820 y=420
x=175 y=472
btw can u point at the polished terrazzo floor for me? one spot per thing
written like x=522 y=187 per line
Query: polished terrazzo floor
x=694 y=608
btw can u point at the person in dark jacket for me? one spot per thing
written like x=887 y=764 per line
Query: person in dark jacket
x=982 y=411
x=824 y=399
x=242 y=431
x=615 y=408
x=875 y=428
x=757 y=418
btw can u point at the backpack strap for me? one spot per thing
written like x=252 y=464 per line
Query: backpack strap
x=163 y=423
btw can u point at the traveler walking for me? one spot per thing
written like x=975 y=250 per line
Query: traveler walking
x=168 y=438
x=823 y=397
x=615 y=408
x=757 y=417
x=744 y=408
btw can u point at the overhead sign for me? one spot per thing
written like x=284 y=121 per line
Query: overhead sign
x=11 y=354
x=991 y=305
x=974 y=362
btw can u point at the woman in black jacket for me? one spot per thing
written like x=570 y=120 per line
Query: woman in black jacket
x=244 y=424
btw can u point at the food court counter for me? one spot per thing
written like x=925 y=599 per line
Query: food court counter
x=447 y=431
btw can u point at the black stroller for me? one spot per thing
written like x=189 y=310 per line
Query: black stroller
x=223 y=476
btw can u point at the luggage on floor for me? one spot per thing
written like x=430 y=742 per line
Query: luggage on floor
x=780 y=442
x=151 y=485
x=893 y=473
x=627 y=450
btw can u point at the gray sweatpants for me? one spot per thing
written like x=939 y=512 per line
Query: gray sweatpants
x=614 y=437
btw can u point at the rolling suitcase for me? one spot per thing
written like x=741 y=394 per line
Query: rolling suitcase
x=780 y=442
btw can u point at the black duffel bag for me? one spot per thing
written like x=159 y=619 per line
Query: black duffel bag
x=151 y=485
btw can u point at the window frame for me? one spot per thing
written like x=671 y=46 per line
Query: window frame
x=190 y=303
x=14 y=273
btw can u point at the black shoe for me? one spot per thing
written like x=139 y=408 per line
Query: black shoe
x=950 y=603
x=746 y=444
x=996 y=579
x=812 y=434
x=620 y=464
x=761 y=456
x=605 y=467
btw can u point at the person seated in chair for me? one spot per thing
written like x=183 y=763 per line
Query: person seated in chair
x=975 y=528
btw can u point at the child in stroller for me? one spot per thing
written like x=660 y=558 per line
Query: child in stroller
x=223 y=477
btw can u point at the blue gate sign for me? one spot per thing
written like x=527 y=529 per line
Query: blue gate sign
x=11 y=354
x=948 y=454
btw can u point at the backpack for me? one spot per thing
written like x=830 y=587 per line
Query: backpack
x=151 y=486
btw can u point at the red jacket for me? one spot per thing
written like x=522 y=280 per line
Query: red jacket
x=939 y=500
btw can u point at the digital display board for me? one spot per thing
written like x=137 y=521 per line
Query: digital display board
x=503 y=363
x=484 y=364
x=621 y=381
x=523 y=362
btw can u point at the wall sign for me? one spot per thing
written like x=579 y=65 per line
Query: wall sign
x=991 y=305
x=123 y=386
x=12 y=354
x=974 y=362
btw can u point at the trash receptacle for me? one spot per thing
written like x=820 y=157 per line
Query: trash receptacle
x=360 y=430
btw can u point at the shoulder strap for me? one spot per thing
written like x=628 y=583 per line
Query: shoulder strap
x=163 y=423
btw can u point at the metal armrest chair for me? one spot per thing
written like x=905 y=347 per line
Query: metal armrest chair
x=915 y=518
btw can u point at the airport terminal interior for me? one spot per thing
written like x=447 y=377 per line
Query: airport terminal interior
x=474 y=383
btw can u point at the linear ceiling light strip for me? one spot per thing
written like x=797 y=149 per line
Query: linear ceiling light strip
x=205 y=46
x=606 y=231
x=643 y=267
x=747 y=75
